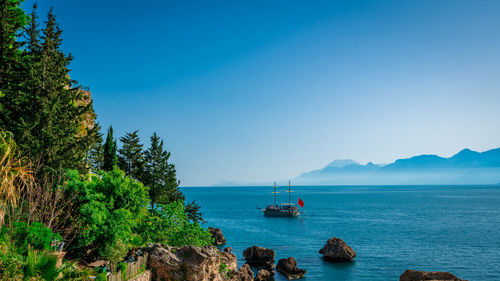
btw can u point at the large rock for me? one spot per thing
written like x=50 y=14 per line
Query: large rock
x=259 y=257
x=336 y=249
x=414 y=275
x=245 y=273
x=217 y=235
x=288 y=267
x=191 y=263
x=264 y=275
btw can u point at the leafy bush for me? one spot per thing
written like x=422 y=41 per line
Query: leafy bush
x=35 y=236
x=36 y=265
x=111 y=205
x=169 y=224
x=122 y=267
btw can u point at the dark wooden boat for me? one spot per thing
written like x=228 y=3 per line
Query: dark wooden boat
x=282 y=210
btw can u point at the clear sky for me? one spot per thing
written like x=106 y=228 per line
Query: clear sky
x=256 y=91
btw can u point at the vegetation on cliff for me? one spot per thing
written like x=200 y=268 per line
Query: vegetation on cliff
x=61 y=188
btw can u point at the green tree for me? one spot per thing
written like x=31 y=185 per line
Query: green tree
x=130 y=157
x=12 y=21
x=111 y=206
x=50 y=116
x=160 y=175
x=95 y=157
x=109 y=151
x=169 y=224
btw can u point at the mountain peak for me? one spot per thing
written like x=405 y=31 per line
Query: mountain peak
x=340 y=163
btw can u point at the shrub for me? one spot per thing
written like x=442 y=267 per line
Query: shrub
x=35 y=236
x=111 y=205
x=169 y=224
x=122 y=267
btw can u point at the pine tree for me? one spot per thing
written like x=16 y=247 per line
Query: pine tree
x=130 y=157
x=160 y=175
x=95 y=157
x=109 y=151
x=12 y=21
x=51 y=117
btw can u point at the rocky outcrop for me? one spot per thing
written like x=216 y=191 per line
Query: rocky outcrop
x=288 y=267
x=264 y=275
x=414 y=275
x=217 y=235
x=336 y=249
x=259 y=257
x=245 y=273
x=191 y=263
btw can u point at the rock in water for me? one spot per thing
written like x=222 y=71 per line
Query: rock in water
x=217 y=235
x=288 y=267
x=264 y=275
x=245 y=273
x=414 y=275
x=336 y=249
x=259 y=257
x=191 y=263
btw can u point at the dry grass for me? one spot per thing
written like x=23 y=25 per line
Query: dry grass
x=15 y=173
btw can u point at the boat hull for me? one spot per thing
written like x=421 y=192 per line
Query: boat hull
x=275 y=213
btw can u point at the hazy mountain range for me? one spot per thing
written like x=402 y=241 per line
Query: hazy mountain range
x=465 y=167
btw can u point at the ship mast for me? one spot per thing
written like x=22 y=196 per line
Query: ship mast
x=289 y=195
x=275 y=193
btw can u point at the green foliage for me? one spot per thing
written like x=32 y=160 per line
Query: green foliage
x=160 y=175
x=49 y=115
x=169 y=224
x=36 y=265
x=111 y=205
x=103 y=276
x=122 y=267
x=109 y=151
x=34 y=236
x=130 y=158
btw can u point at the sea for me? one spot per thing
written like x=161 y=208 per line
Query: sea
x=391 y=228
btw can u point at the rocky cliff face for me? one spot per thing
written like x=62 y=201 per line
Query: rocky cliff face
x=192 y=263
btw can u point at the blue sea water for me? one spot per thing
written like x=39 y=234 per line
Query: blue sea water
x=391 y=228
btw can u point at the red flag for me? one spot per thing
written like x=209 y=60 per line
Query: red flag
x=301 y=203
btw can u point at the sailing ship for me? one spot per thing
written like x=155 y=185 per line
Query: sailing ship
x=285 y=209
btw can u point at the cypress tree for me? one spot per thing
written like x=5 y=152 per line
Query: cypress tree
x=12 y=21
x=109 y=151
x=51 y=117
x=130 y=157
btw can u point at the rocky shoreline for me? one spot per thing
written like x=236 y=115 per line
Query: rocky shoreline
x=211 y=264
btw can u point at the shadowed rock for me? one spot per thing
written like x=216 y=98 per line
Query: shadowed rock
x=217 y=235
x=336 y=249
x=415 y=275
x=264 y=275
x=259 y=257
x=288 y=267
x=245 y=273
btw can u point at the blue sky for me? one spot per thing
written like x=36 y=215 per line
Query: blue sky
x=257 y=91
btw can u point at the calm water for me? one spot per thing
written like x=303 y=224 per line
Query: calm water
x=391 y=228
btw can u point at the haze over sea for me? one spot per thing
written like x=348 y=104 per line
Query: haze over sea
x=392 y=228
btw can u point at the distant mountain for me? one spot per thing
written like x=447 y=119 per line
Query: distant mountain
x=465 y=167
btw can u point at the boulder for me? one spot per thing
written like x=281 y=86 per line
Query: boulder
x=217 y=235
x=190 y=263
x=259 y=257
x=415 y=275
x=264 y=275
x=245 y=273
x=336 y=249
x=288 y=267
